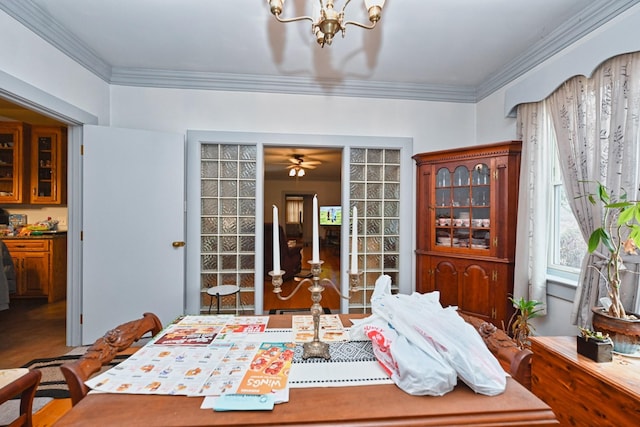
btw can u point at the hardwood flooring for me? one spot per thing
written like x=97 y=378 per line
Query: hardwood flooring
x=302 y=298
x=32 y=329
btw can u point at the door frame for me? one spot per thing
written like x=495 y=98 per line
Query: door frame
x=262 y=139
x=33 y=98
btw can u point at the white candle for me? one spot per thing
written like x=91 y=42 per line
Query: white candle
x=315 y=244
x=354 y=241
x=276 y=241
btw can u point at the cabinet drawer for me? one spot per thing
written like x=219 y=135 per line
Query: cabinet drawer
x=27 y=245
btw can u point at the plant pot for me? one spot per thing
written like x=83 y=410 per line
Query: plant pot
x=625 y=333
x=598 y=351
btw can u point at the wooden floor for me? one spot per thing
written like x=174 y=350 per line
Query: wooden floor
x=32 y=329
x=302 y=298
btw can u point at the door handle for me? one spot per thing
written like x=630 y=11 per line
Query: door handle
x=178 y=244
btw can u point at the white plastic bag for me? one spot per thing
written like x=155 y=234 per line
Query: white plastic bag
x=414 y=365
x=421 y=319
x=413 y=370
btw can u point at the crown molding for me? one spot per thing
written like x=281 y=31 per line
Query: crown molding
x=592 y=17
x=40 y=22
x=143 y=77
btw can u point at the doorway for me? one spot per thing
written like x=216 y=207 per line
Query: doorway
x=21 y=307
x=293 y=175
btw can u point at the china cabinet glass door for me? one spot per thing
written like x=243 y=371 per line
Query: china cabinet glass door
x=462 y=207
x=10 y=163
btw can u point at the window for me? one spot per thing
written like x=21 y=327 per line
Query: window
x=567 y=246
x=294 y=210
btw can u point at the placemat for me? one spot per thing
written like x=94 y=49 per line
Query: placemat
x=352 y=363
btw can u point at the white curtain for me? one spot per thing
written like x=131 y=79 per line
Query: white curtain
x=294 y=208
x=596 y=123
x=533 y=205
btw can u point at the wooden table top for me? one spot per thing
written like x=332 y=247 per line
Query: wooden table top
x=623 y=371
x=355 y=406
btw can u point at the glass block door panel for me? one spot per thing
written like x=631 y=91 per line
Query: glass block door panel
x=375 y=190
x=228 y=224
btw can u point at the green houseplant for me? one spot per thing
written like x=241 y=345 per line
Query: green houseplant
x=519 y=323
x=619 y=234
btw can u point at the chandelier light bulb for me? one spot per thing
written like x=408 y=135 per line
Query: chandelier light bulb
x=292 y=172
x=326 y=21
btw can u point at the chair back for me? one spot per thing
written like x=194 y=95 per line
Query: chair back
x=23 y=382
x=104 y=350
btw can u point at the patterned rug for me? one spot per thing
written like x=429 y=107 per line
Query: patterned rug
x=52 y=383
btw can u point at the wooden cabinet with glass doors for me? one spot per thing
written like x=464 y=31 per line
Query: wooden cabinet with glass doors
x=48 y=165
x=466 y=227
x=32 y=164
x=13 y=152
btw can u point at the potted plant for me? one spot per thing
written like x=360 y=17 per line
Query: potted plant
x=519 y=322
x=594 y=345
x=618 y=235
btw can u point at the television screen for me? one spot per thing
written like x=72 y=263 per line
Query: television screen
x=330 y=215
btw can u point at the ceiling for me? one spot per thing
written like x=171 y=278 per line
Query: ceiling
x=437 y=50
x=277 y=159
x=443 y=50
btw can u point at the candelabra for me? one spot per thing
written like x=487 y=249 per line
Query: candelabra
x=315 y=348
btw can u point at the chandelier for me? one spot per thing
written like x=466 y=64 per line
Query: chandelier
x=297 y=172
x=326 y=21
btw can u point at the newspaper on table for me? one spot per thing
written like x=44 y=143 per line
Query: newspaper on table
x=205 y=355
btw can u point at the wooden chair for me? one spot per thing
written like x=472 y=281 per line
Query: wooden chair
x=515 y=361
x=25 y=385
x=103 y=351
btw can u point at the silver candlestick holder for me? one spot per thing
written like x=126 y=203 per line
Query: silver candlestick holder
x=315 y=348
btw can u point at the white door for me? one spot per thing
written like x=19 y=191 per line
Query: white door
x=133 y=214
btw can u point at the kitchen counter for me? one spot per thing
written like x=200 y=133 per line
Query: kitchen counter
x=42 y=235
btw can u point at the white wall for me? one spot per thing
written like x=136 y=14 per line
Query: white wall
x=328 y=193
x=30 y=59
x=433 y=125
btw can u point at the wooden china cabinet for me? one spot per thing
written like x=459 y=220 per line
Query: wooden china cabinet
x=466 y=227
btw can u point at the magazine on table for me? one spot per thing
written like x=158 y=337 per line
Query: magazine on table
x=331 y=329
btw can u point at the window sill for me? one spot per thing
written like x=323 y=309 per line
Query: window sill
x=561 y=287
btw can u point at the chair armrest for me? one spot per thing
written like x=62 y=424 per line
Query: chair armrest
x=26 y=387
x=515 y=361
x=104 y=350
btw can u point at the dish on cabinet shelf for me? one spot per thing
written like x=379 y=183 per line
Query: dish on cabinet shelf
x=474 y=246
x=446 y=241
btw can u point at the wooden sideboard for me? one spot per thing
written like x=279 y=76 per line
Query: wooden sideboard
x=582 y=392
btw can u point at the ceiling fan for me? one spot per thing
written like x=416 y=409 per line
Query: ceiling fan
x=299 y=164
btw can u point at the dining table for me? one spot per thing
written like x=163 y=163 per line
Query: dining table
x=363 y=405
